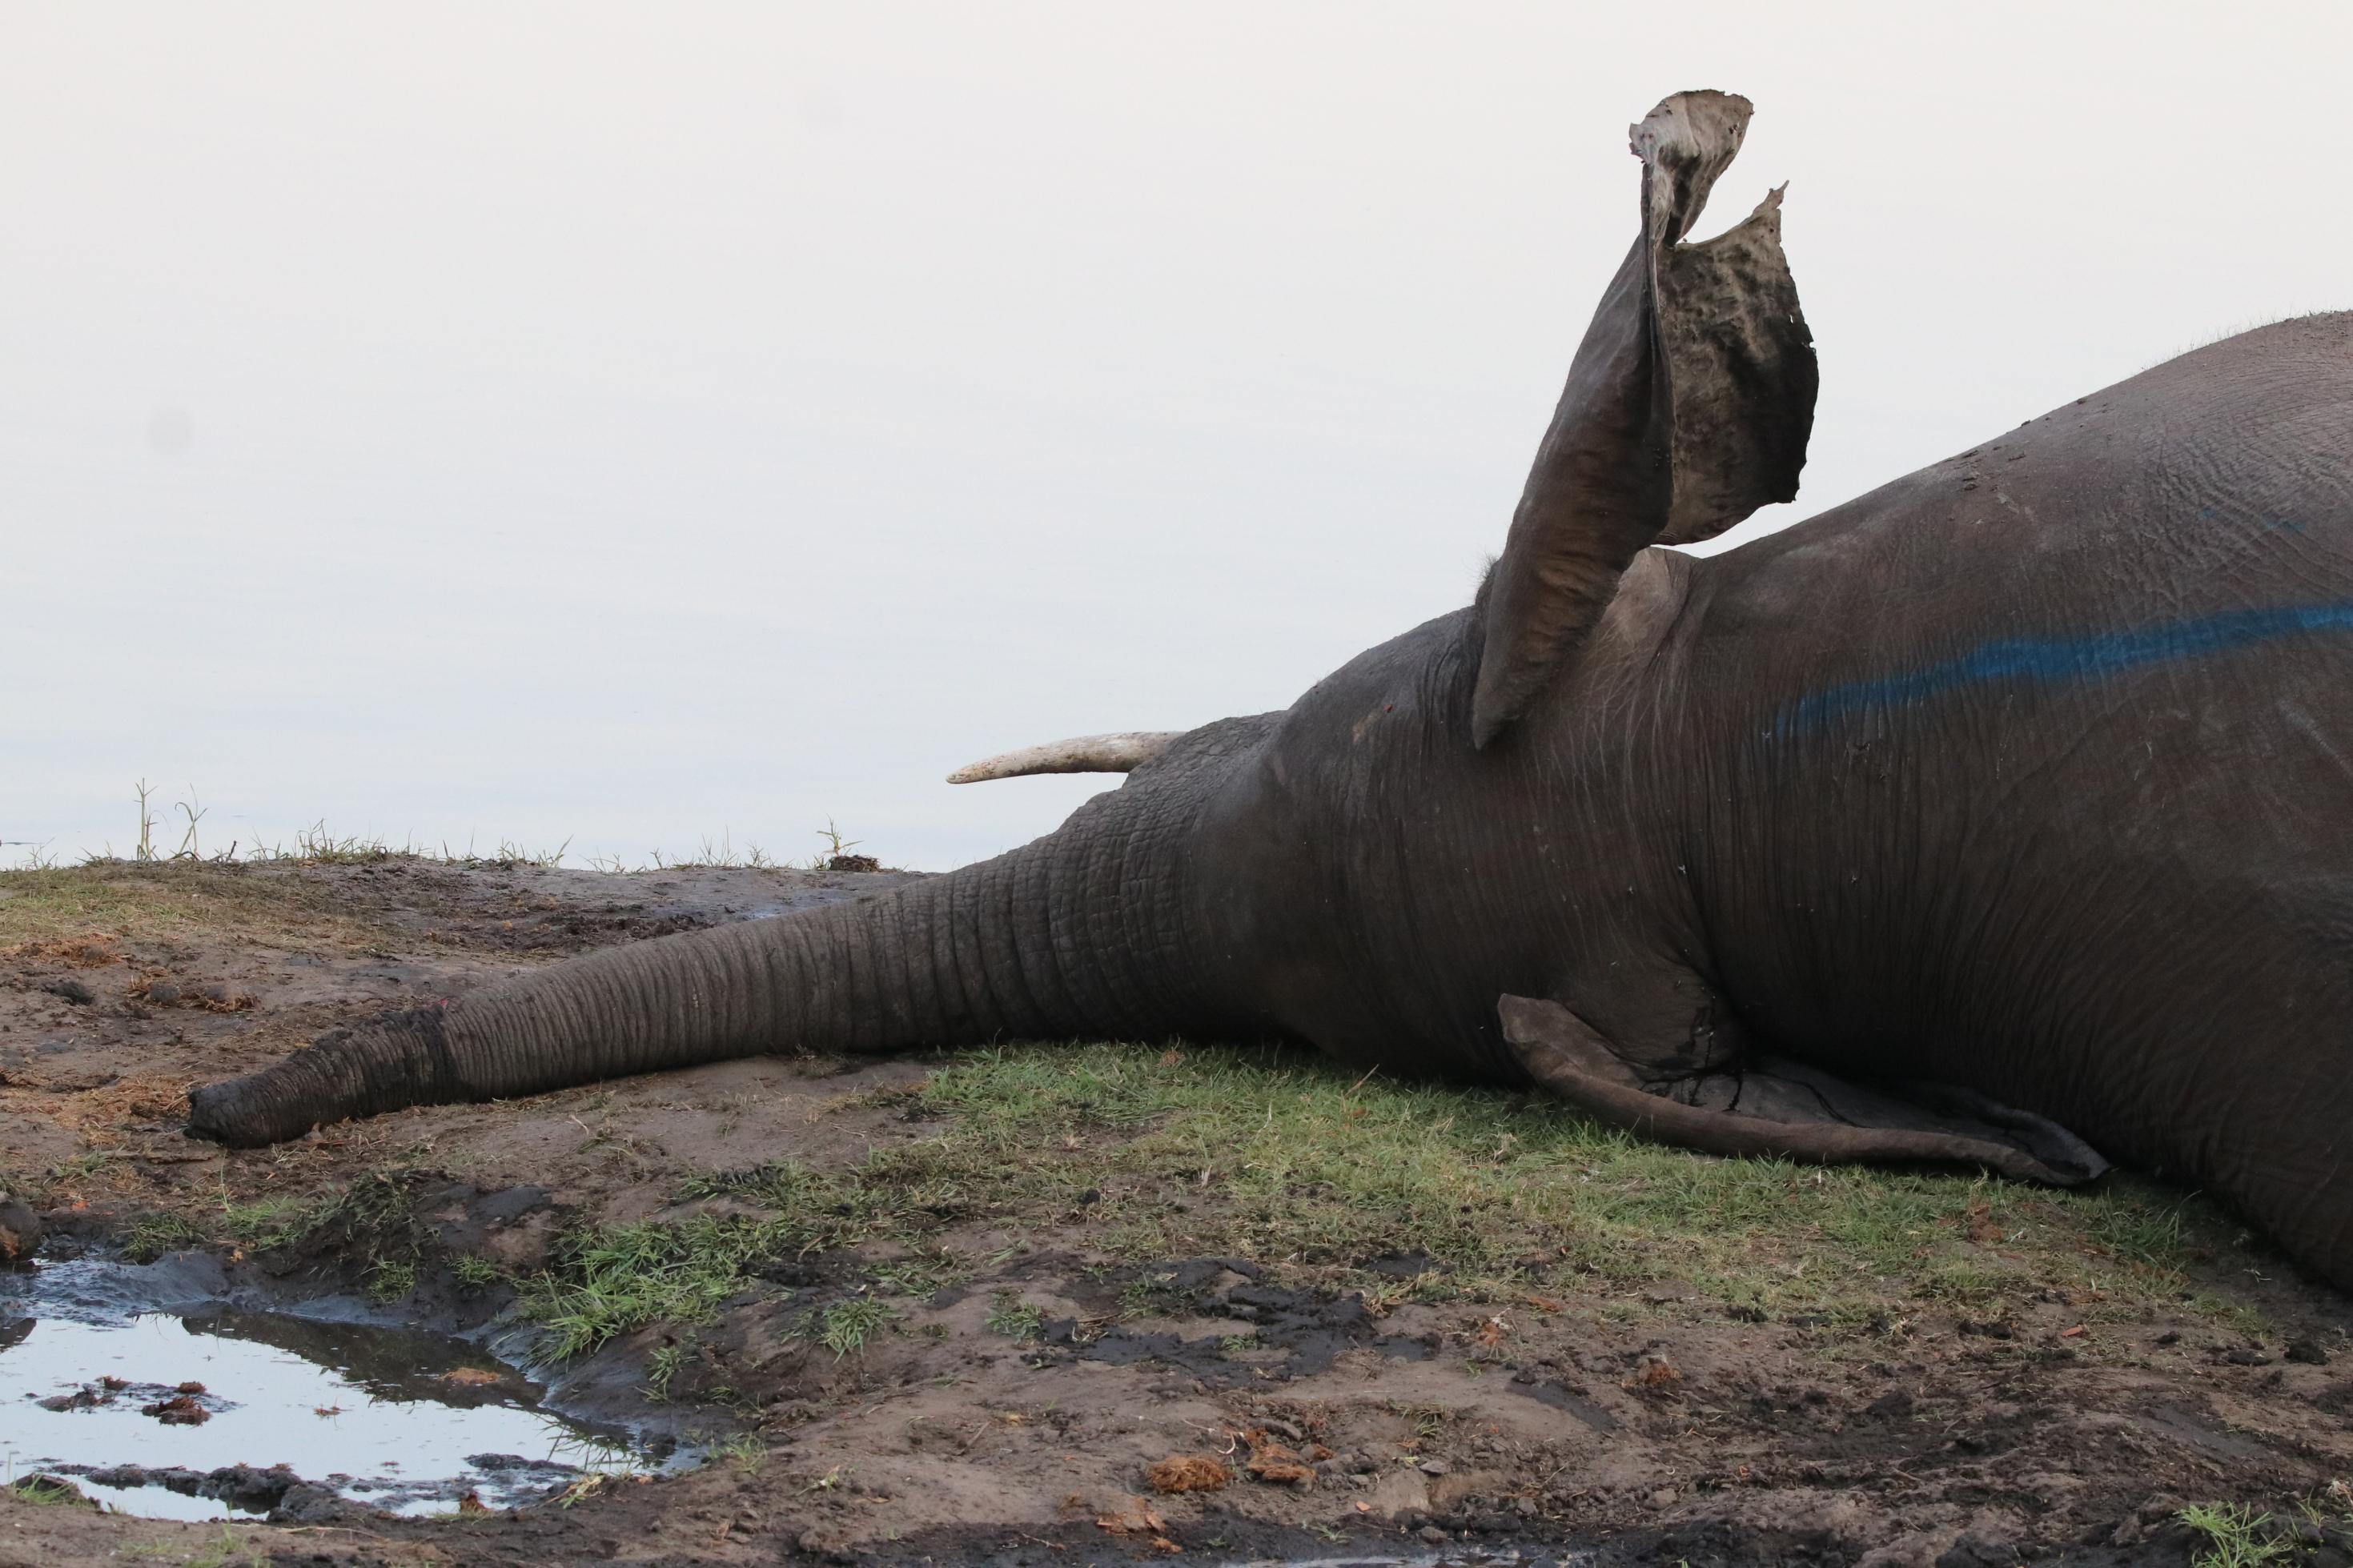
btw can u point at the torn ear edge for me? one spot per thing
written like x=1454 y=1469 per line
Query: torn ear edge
x=1566 y=1056
x=1688 y=406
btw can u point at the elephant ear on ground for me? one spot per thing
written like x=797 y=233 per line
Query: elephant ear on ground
x=1779 y=1109
x=1688 y=406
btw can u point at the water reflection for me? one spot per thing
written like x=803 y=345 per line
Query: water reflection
x=94 y=1380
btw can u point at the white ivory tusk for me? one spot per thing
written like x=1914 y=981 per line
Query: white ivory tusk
x=1081 y=754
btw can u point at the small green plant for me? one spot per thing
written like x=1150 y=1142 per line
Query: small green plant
x=1014 y=1318
x=476 y=1272
x=606 y=1281
x=847 y=1326
x=265 y=1222
x=744 y=1451
x=47 y=1491
x=838 y=855
x=661 y=1366
x=84 y=1165
x=2236 y=1537
x=193 y=809
x=224 y=1551
x=1151 y=1292
x=921 y=1273
x=512 y=854
x=374 y=1219
x=146 y=847
x=1429 y=1421
x=721 y=854
x=315 y=846
x=150 y=1236
x=391 y=1278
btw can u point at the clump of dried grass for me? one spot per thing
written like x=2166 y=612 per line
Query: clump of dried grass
x=1188 y=1473
x=91 y=950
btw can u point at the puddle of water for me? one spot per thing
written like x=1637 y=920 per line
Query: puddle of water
x=98 y=1360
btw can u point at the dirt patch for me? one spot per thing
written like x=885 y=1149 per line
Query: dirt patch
x=972 y=1309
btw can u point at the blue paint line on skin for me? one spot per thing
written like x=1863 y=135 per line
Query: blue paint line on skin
x=2049 y=660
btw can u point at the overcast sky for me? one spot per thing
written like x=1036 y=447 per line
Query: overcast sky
x=630 y=424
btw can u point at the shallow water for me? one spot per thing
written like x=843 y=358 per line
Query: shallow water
x=389 y=1417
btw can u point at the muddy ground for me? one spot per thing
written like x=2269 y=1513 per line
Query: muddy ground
x=1009 y=1405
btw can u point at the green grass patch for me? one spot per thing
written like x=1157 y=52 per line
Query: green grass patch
x=1012 y=1317
x=373 y=1224
x=476 y=1272
x=2238 y=1537
x=1274 y=1155
x=269 y=1222
x=375 y=1219
x=609 y=1279
x=743 y=1450
x=173 y=899
x=1282 y=1158
x=662 y=1364
x=844 y=1327
x=366 y=1212
x=150 y=1236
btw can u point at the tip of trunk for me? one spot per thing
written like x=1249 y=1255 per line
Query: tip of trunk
x=399 y=1060
x=239 y=1112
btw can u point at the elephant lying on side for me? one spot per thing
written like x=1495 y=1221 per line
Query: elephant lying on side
x=2003 y=814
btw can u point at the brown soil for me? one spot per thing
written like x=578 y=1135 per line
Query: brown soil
x=1653 y=1428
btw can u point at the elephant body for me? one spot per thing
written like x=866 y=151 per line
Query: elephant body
x=2031 y=772
x=2003 y=811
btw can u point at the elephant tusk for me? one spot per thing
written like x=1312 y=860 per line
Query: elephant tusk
x=1117 y=754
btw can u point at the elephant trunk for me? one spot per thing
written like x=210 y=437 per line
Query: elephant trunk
x=1042 y=942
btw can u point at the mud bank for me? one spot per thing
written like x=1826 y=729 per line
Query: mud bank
x=932 y=1325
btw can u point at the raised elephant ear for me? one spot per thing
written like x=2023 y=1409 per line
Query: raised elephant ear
x=1687 y=407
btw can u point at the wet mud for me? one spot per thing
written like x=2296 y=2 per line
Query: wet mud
x=1310 y=1332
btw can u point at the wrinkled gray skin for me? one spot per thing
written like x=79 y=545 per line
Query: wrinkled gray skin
x=2020 y=788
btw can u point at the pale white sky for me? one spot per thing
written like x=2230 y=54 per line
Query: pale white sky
x=630 y=423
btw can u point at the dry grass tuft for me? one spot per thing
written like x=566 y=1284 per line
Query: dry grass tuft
x=205 y=996
x=91 y=950
x=1188 y=1473
x=102 y=1115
